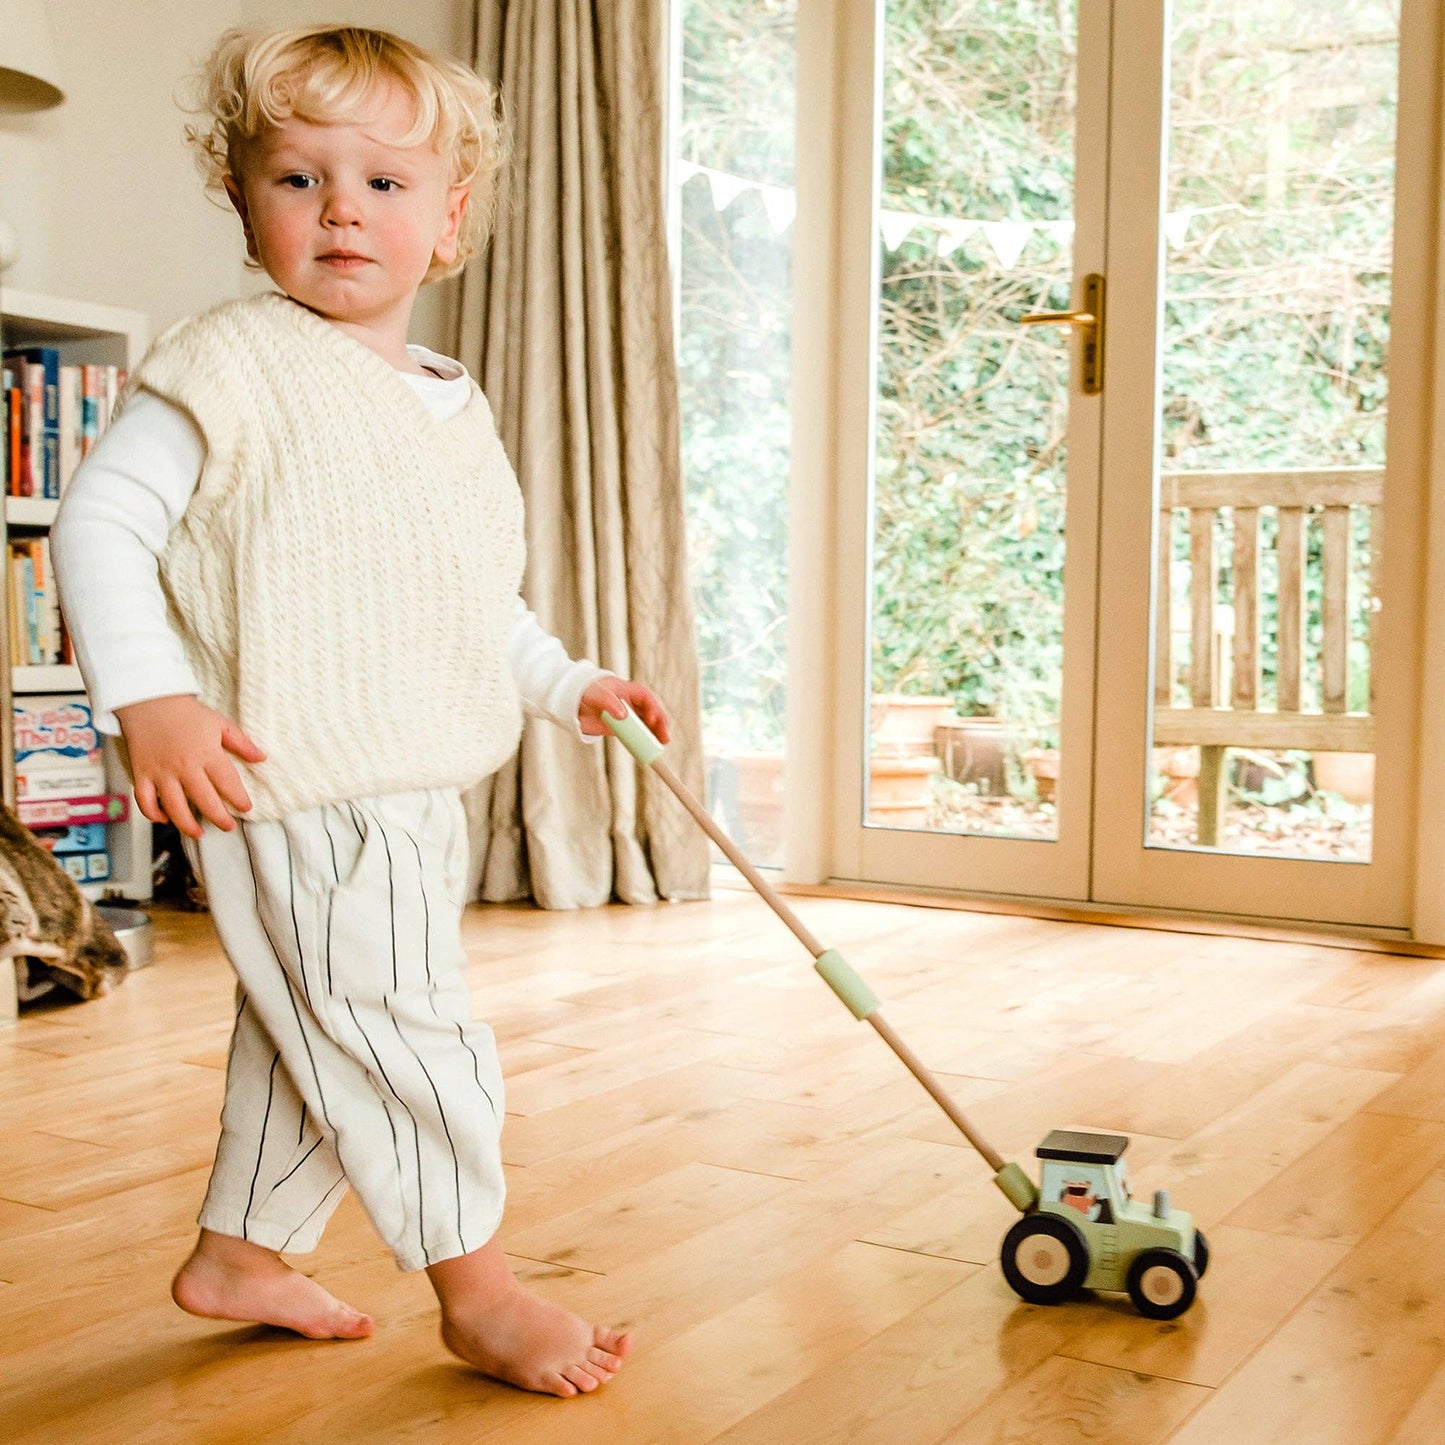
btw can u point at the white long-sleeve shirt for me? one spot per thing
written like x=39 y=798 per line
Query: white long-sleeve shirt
x=112 y=527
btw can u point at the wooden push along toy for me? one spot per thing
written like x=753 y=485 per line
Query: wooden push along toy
x=1080 y=1228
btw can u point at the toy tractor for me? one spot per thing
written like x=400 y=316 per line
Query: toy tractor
x=1085 y=1232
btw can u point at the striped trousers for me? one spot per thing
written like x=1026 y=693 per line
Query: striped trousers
x=354 y=1058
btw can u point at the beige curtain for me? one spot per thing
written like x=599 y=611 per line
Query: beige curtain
x=567 y=324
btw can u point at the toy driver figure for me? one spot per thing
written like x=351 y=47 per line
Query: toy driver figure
x=1079 y=1194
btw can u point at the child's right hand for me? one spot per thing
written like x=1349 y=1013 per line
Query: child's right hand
x=177 y=747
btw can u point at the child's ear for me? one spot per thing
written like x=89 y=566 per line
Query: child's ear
x=449 y=241
x=237 y=196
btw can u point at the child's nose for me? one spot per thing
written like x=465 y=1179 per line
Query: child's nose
x=341 y=207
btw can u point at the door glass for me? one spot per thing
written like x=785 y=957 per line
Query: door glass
x=1277 y=254
x=966 y=520
x=734 y=178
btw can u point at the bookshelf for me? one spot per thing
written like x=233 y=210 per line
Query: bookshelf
x=81 y=332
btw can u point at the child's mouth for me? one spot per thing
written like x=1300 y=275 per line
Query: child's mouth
x=344 y=260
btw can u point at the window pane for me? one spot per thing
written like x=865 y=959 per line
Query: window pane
x=967 y=525
x=1276 y=332
x=735 y=179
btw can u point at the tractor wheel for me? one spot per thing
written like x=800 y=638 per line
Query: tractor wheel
x=1044 y=1259
x=1201 y=1253
x=1162 y=1284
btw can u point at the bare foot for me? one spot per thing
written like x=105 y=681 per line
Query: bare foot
x=494 y=1323
x=232 y=1279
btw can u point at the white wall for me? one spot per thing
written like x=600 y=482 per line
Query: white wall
x=101 y=191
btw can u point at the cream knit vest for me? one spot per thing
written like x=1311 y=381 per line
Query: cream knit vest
x=344 y=575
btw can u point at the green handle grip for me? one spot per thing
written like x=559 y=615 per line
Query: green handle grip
x=635 y=736
x=841 y=977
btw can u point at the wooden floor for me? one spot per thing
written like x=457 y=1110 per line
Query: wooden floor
x=703 y=1144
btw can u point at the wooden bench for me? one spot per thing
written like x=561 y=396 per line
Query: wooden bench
x=1225 y=700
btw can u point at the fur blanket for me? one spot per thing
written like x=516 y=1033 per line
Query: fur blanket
x=47 y=925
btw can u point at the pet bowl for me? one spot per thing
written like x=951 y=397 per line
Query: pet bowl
x=132 y=926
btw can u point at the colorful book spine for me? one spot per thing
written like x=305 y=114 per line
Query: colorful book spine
x=32 y=610
x=70 y=403
x=92 y=389
x=45 y=442
x=32 y=475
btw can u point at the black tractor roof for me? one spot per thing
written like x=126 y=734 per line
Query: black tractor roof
x=1083 y=1148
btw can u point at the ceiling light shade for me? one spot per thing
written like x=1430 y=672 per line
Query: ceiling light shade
x=29 y=75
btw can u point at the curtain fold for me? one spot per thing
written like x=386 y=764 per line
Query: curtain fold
x=566 y=321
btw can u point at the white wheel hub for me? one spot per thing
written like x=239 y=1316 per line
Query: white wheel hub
x=1041 y=1259
x=1161 y=1285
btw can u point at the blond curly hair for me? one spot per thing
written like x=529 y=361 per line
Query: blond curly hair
x=327 y=73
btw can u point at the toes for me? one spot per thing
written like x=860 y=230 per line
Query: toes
x=561 y=1385
x=605 y=1358
x=615 y=1342
x=581 y=1378
x=356 y=1326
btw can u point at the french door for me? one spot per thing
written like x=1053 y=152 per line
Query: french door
x=1126 y=448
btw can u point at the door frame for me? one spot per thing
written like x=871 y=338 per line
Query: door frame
x=834 y=244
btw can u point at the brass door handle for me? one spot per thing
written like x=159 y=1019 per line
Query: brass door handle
x=1059 y=318
x=1090 y=321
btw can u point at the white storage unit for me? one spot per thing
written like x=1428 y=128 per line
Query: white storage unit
x=81 y=332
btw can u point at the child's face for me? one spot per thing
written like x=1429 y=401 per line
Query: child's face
x=342 y=218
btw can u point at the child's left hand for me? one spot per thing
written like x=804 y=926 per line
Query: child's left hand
x=616 y=695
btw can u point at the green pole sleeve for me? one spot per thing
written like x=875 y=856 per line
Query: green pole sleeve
x=1018 y=1188
x=635 y=736
x=841 y=977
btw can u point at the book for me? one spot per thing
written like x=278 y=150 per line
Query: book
x=92 y=391
x=32 y=611
x=15 y=437
x=54 y=623
x=32 y=422
x=70 y=405
x=42 y=365
x=16 y=609
x=57 y=749
x=62 y=812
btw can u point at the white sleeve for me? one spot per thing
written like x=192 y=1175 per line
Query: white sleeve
x=550 y=683
x=112 y=526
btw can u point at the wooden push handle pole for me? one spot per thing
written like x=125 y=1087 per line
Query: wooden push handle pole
x=884 y=1029
x=730 y=849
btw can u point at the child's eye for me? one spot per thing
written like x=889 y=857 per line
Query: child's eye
x=385 y=183
x=298 y=182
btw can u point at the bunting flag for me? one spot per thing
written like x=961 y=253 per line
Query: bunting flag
x=952 y=234
x=896 y=227
x=725 y=188
x=1176 y=226
x=780 y=205
x=1007 y=239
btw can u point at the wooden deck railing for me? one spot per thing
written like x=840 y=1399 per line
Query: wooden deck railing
x=1215 y=722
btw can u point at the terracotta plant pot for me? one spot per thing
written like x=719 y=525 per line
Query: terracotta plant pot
x=759 y=782
x=1043 y=763
x=1351 y=775
x=973 y=750
x=900 y=788
x=1180 y=768
x=905 y=726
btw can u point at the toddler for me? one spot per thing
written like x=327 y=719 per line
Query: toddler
x=300 y=536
